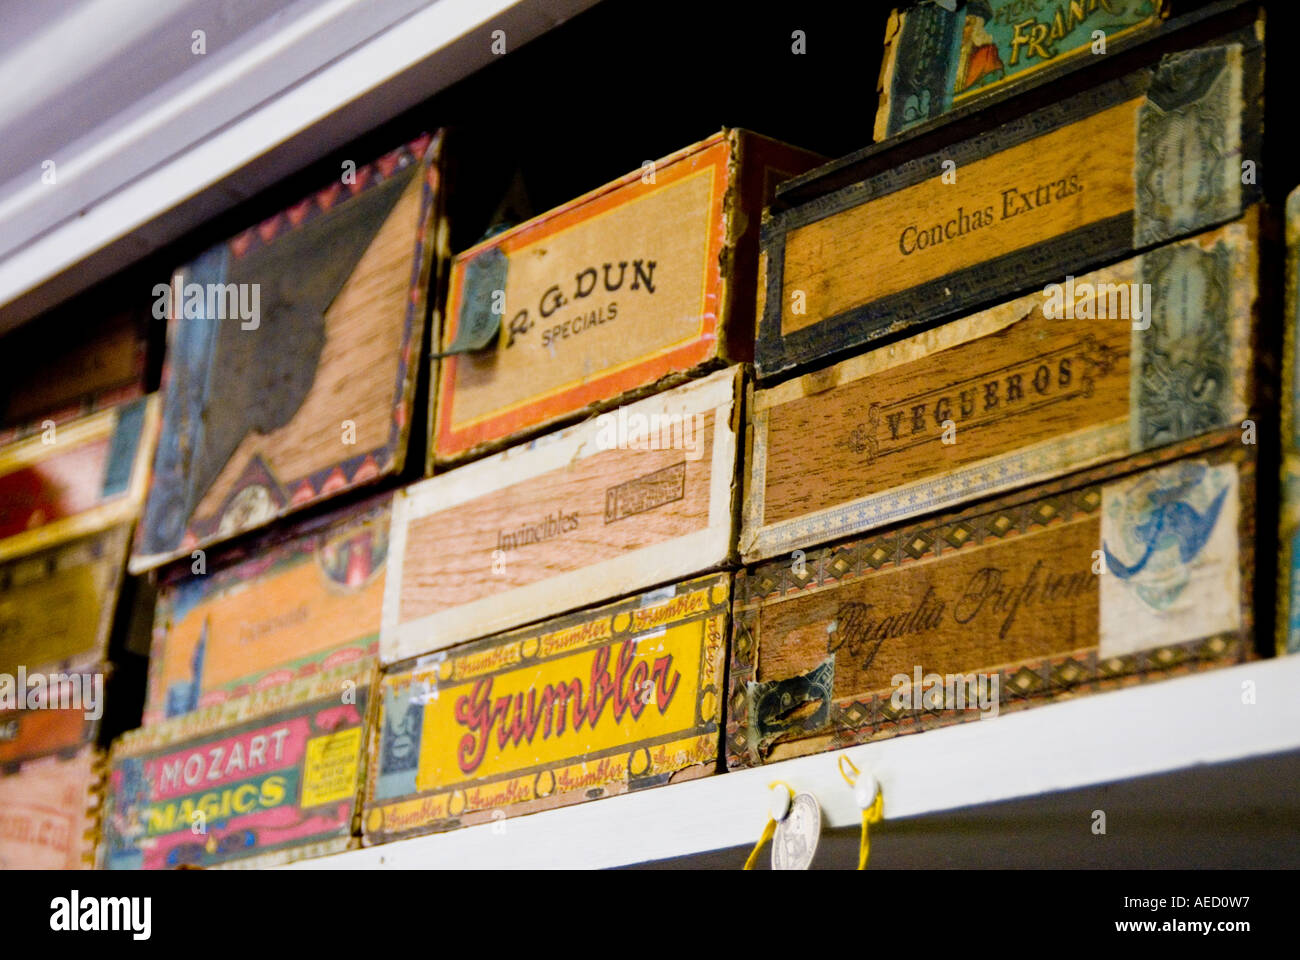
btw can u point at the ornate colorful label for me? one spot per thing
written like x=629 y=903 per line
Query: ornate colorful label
x=592 y=704
x=604 y=295
x=301 y=389
x=1169 y=537
x=75 y=479
x=269 y=614
x=271 y=784
x=1288 y=620
x=1070 y=588
x=942 y=58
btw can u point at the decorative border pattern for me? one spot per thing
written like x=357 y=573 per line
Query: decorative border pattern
x=687 y=753
x=1027 y=683
x=368 y=465
x=890 y=317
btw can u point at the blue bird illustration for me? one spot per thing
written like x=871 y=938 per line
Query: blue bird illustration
x=1171 y=519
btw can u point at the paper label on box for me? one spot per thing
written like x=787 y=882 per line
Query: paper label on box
x=1169 y=538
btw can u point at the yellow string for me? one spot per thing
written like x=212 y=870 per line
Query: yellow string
x=767 y=830
x=767 y=835
x=844 y=773
x=872 y=814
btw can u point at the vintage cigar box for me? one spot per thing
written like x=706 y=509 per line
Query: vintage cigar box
x=937 y=59
x=49 y=373
x=1131 y=357
x=644 y=281
x=261 y=614
x=48 y=709
x=292 y=356
x=49 y=812
x=1162 y=152
x=635 y=497
x=242 y=783
x=57 y=604
x=76 y=479
x=1288 y=591
x=1117 y=576
x=619 y=697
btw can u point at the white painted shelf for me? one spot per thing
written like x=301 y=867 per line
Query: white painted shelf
x=1151 y=729
x=283 y=95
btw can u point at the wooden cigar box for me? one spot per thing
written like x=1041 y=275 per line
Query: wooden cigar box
x=66 y=365
x=57 y=608
x=76 y=479
x=238 y=784
x=1131 y=357
x=261 y=614
x=57 y=605
x=292 y=356
x=635 y=497
x=49 y=812
x=887 y=242
x=49 y=709
x=1288 y=589
x=645 y=281
x=938 y=59
x=1117 y=576
x=619 y=698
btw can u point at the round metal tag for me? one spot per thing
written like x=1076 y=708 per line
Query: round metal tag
x=795 y=842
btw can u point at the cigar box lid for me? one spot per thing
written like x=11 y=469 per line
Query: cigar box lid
x=616 y=294
x=1127 y=54
x=617 y=509
x=76 y=479
x=269 y=778
x=293 y=353
x=652 y=666
x=57 y=604
x=262 y=613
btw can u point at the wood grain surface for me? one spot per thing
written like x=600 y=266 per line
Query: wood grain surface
x=1077 y=182
x=50 y=374
x=473 y=531
x=1077 y=175
x=362 y=351
x=314 y=396
x=1066 y=588
x=571 y=520
x=644 y=281
x=1008 y=396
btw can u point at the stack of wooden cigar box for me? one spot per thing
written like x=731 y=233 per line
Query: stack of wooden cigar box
x=742 y=456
